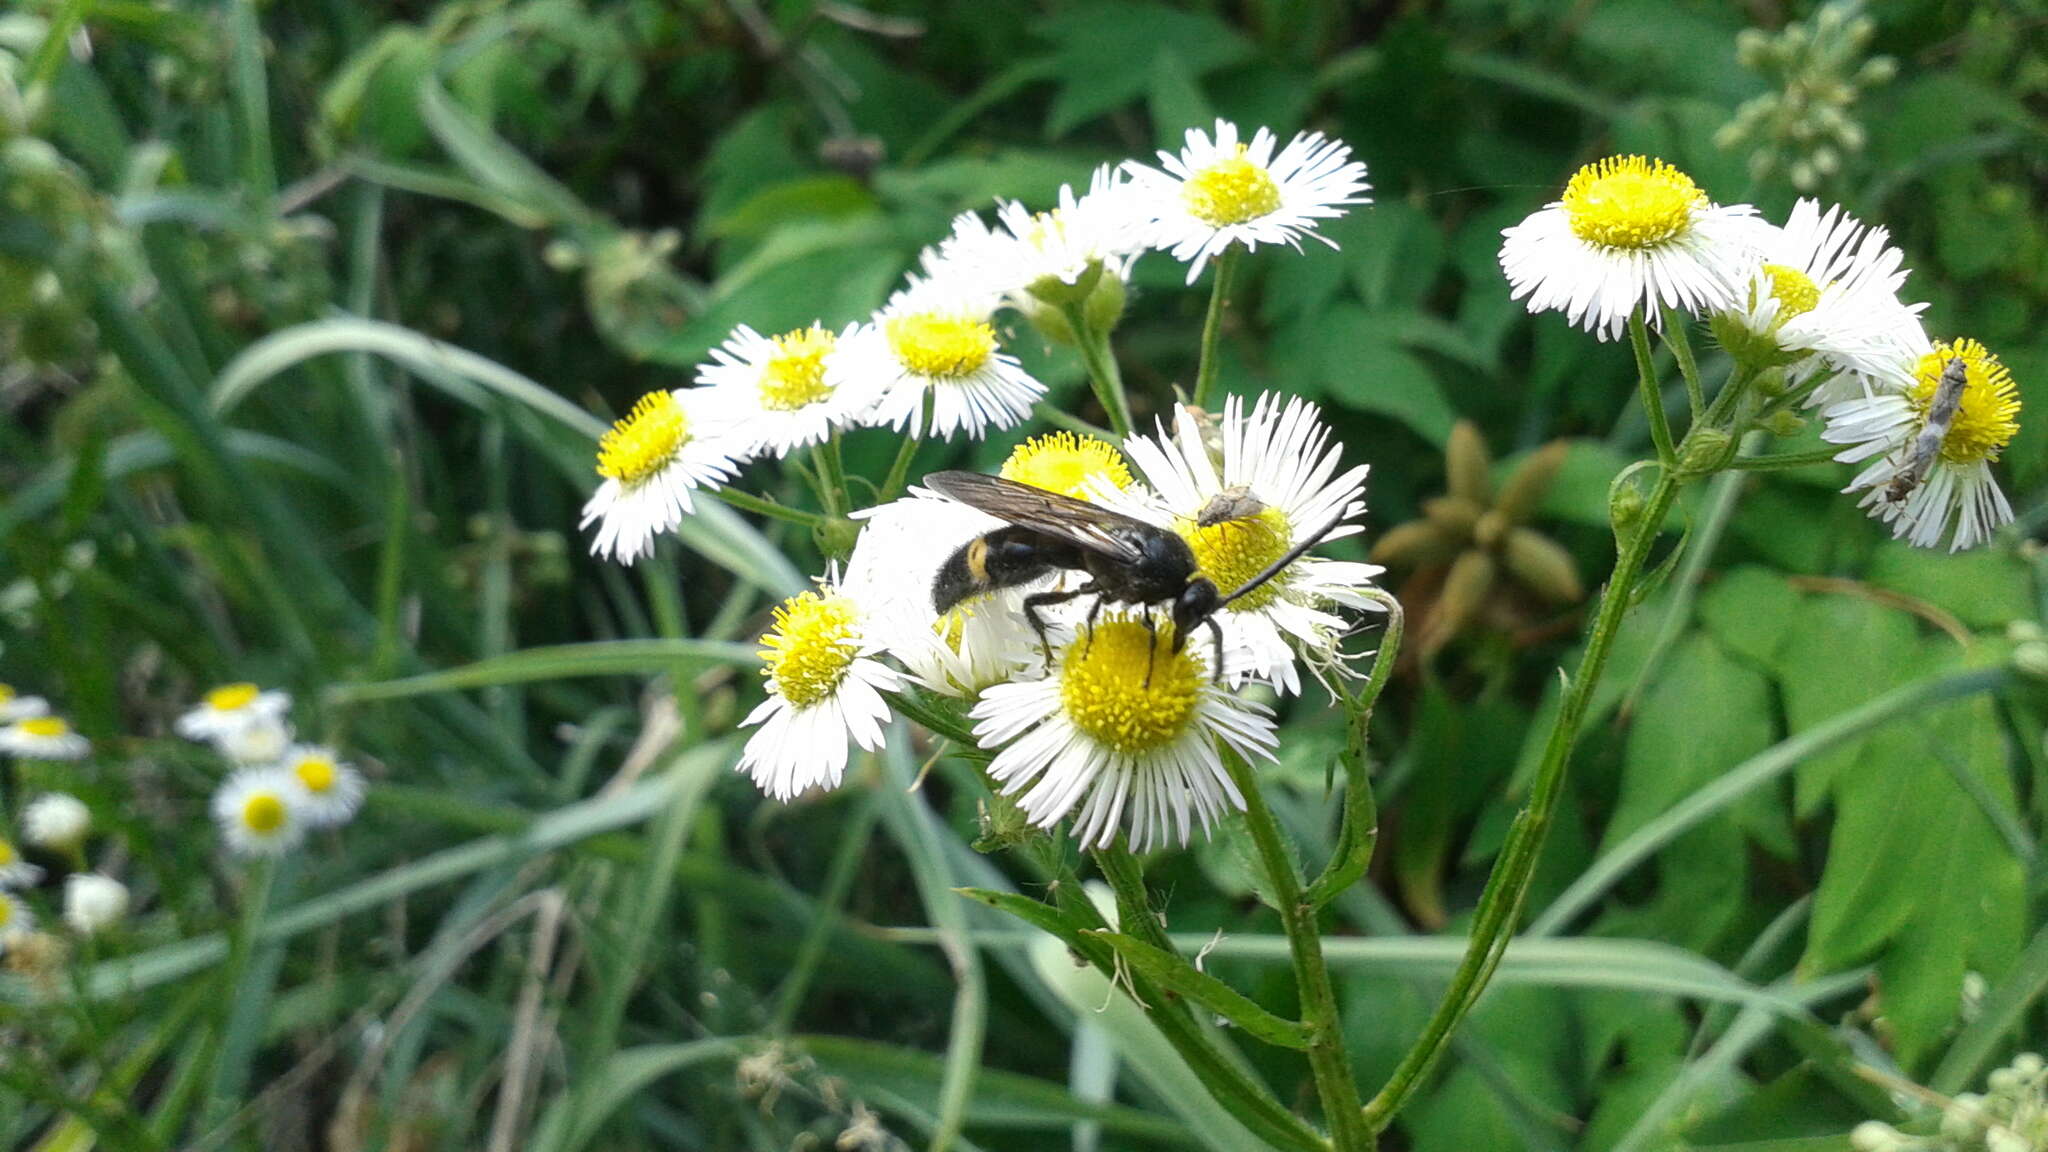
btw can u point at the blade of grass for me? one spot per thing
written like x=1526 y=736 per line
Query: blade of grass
x=2002 y=1012
x=552 y=662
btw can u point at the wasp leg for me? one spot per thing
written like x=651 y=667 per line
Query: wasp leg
x=1037 y=600
x=1216 y=632
x=1151 y=644
x=1092 y=614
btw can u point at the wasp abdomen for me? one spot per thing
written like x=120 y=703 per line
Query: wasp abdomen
x=1004 y=558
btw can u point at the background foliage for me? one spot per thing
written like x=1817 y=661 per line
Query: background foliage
x=309 y=312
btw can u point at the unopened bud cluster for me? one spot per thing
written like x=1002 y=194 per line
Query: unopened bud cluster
x=1804 y=128
x=2011 y=1115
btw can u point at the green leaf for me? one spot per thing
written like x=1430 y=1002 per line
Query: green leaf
x=1107 y=54
x=1839 y=652
x=1350 y=358
x=1176 y=975
x=1175 y=99
x=1983 y=587
x=1751 y=611
x=556 y=662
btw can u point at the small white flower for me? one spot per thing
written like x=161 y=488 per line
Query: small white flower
x=57 y=821
x=93 y=903
x=779 y=391
x=891 y=574
x=824 y=688
x=15 y=919
x=43 y=738
x=651 y=459
x=1220 y=192
x=1826 y=297
x=933 y=340
x=1272 y=481
x=1032 y=254
x=256 y=809
x=230 y=708
x=14 y=871
x=1927 y=480
x=1628 y=234
x=14 y=706
x=328 y=790
x=1126 y=729
x=257 y=743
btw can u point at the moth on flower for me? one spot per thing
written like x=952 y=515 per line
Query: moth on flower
x=43 y=738
x=779 y=391
x=1127 y=728
x=230 y=708
x=1270 y=479
x=824 y=688
x=1933 y=444
x=1220 y=190
x=651 y=460
x=1826 y=299
x=1631 y=233
x=935 y=339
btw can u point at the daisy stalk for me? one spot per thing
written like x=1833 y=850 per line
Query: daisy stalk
x=1212 y=326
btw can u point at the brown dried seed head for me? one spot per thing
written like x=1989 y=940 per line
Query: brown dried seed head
x=1470 y=469
x=1453 y=513
x=1533 y=477
x=1545 y=567
x=1415 y=544
x=1465 y=591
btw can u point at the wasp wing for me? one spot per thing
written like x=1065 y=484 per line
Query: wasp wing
x=1077 y=522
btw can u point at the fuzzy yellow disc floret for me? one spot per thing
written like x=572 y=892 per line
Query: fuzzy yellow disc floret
x=1067 y=464
x=1231 y=191
x=316 y=773
x=1232 y=552
x=941 y=346
x=645 y=441
x=1630 y=202
x=813 y=643
x=795 y=375
x=1105 y=690
x=264 y=813
x=1989 y=415
x=45 y=727
x=232 y=697
x=1795 y=291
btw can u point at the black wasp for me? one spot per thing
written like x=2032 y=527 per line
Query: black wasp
x=1127 y=560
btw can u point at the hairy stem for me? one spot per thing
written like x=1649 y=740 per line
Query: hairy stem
x=1212 y=325
x=1653 y=398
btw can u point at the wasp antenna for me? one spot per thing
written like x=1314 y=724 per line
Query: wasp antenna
x=1293 y=554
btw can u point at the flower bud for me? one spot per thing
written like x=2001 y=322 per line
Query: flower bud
x=835 y=536
x=1054 y=326
x=1465 y=460
x=1785 y=422
x=57 y=821
x=1415 y=544
x=1544 y=565
x=94 y=903
x=1531 y=480
x=1058 y=293
x=1464 y=593
x=1625 y=509
x=2030 y=659
x=1104 y=308
x=1706 y=450
x=1875 y=1136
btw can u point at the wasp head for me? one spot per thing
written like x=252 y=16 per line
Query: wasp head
x=1195 y=604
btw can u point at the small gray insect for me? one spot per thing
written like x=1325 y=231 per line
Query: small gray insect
x=1941 y=415
x=1233 y=503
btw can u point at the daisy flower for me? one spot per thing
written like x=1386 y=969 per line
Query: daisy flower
x=1934 y=445
x=934 y=340
x=1826 y=298
x=1067 y=464
x=1224 y=191
x=230 y=708
x=670 y=443
x=328 y=790
x=1631 y=233
x=57 y=821
x=977 y=642
x=1037 y=258
x=43 y=738
x=93 y=903
x=777 y=389
x=1241 y=504
x=824 y=688
x=15 y=919
x=14 y=871
x=256 y=809
x=258 y=743
x=14 y=706
x=1124 y=733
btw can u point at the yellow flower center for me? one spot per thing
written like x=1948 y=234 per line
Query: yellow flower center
x=1988 y=417
x=1065 y=463
x=1795 y=291
x=7 y=854
x=1106 y=693
x=1231 y=552
x=645 y=441
x=317 y=773
x=47 y=727
x=1630 y=202
x=941 y=346
x=795 y=375
x=6 y=910
x=1231 y=191
x=232 y=697
x=264 y=813
x=6 y=694
x=811 y=646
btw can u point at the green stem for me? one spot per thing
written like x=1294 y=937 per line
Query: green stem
x=899 y=468
x=1103 y=375
x=1508 y=887
x=747 y=501
x=831 y=476
x=1212 y=325
x=937 y=723
x=1327 y=1059
x=1781 y=461
x=853 y=845
x=1680 y=344
x=1360 y=832
x=1646 y=384
x=1061 y=418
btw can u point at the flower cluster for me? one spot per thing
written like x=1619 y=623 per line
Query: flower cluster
x=2010 y=1115
x=54 y=823
x=931 y=361
x=1810 y=307
x=279 y=789
x=1099 y=712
